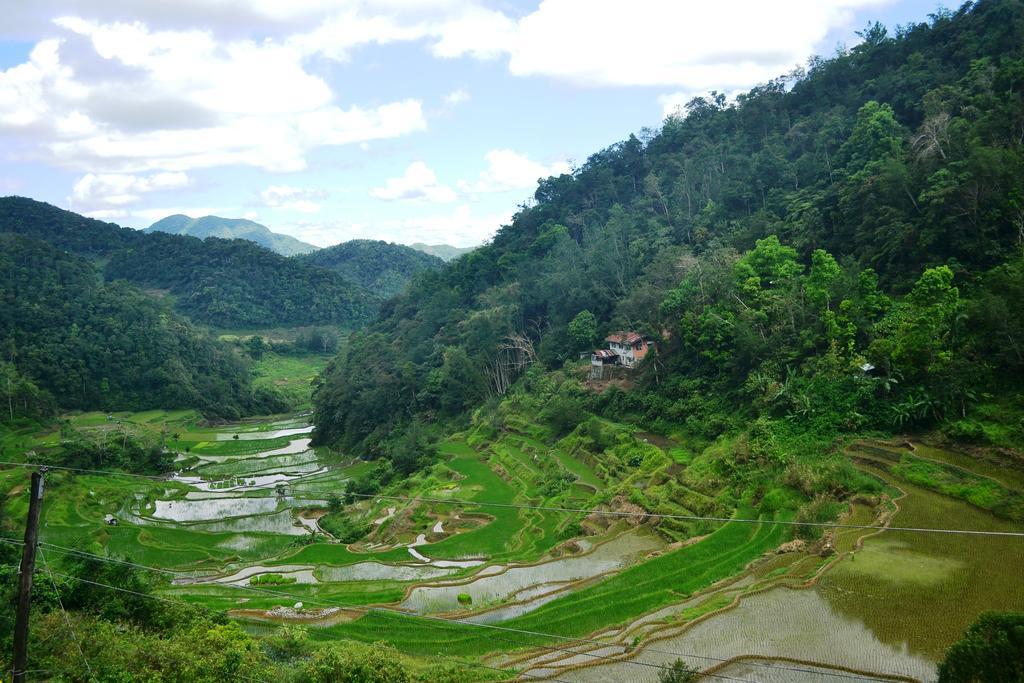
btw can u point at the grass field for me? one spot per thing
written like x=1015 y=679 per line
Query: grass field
x=290 y=376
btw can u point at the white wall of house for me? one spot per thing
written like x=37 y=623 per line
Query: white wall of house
x=625 y=351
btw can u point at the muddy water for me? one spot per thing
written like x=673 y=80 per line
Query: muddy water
x=892 y=608
x=920 y=591
x=781 y=623
x=212 y=508
x=498 y=587
x=254 y=436
x=376 y=571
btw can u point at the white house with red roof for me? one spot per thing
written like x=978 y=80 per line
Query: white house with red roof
x=624 y=348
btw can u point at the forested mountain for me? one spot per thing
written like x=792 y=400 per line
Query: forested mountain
x=235 y=283
x=378 y=266
x=445 y=252
x=224 y=283
x=231 y=228
x=839 y=249
x=72 y=341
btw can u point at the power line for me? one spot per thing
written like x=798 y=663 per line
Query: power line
x=364 y=609
x=179 y=602
x=584 y=511
x=74 y=636
x=393 y=612
x=689 y=518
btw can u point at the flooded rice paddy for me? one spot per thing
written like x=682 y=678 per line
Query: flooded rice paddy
x=885 y=608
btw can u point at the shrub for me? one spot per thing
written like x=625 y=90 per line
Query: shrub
x=992 y=650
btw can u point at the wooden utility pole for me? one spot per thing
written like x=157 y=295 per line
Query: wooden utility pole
x=28 y=566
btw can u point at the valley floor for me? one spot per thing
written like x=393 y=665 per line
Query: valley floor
x=481 y=560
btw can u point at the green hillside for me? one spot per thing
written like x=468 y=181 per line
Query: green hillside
x=378 y=266
x=217 y=282
x=445 y=252
x=864 y=214
x=71 y=341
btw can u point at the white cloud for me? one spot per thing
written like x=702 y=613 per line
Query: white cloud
x=456 y=97
x=121 y=98
x=508 y=170
x=301 y=199
x=118 y=189
x=460 y=227
x=141 y=218
x=654 y=42
x=477 y=32
x=417 y=183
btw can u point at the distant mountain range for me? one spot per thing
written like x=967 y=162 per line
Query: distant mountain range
x=445 y=252
x=231 y=228
x=286 y=245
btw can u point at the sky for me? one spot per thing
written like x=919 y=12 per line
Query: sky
x=402 y=120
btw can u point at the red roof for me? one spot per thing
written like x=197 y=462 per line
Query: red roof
x=604 y=353
x=629 y=338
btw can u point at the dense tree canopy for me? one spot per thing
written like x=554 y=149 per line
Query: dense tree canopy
x=380 y=267
x=841 y=245
x=218 y=282
x=69 y=339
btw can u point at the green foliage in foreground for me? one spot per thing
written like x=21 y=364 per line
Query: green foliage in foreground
x=355 y=664
x=679 y=672
x=116 y=629
x=992 y=651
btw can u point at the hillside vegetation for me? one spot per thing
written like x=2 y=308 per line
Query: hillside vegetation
x=72 y=341
x=218 y=282
x=445 y=252
x=381 y=267
x=837 y=250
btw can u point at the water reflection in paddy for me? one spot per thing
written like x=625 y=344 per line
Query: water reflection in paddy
x=255 y=436
x=781 y=623
x=376 y=571
x=278 y=523
x=490 y=589
x=212 y=508
x=250 y=483
x=891 y=608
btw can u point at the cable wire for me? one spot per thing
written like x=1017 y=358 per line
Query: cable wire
x=67 y=620
x=180 y=602
x=387 y=611
x=605 y=513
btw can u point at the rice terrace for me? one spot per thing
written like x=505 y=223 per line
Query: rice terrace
x=363 y=342
x=491 y=557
